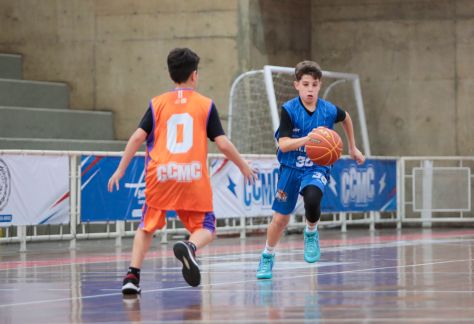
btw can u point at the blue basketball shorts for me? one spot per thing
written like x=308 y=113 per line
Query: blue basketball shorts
x=291 y=183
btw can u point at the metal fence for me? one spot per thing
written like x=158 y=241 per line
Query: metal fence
x=436 y=189
x=429 y=189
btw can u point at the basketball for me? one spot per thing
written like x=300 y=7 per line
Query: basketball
x=324 y=147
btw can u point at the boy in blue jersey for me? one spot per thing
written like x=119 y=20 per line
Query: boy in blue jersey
x=298 y=174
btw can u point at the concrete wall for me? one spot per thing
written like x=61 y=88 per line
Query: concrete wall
x=279 y=32
x=113 y=53
x=414 y=56
x=416 y=66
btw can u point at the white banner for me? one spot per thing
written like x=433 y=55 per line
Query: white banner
x=34 y=190
x=233 y=198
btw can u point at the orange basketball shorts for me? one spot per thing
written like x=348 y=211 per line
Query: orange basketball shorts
x=154 y=219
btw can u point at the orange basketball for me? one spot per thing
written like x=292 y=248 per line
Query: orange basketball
x=324 y=147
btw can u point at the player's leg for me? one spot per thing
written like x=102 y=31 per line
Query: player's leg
x=312 y=197
x=152 y=220
x=283 y=205
x=274 y=232
x=312 y=203
x=313 y=185
x=202 y=226
x=141 y=244
x=201 y=237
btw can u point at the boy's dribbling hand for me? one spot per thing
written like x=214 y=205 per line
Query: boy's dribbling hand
x=357 y=155
x=114 y=180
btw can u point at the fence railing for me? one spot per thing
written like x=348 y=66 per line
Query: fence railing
x=436 y=189
x=423 y=186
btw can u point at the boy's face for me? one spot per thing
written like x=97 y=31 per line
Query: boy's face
x=308 y=89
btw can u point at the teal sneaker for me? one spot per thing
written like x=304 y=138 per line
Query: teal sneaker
x=312 y=252
x=264 y=270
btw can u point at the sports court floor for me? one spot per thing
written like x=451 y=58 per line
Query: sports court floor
x=389 y=276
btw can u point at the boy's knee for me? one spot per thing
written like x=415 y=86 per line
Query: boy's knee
x=281 y=221
x=143 y=232
x=312 y=211
x=312 y=196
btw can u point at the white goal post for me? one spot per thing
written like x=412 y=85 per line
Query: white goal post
x=255 y=98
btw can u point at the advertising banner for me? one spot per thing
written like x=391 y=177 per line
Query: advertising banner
x=234 y=198
x=34 y=190
x=360 y=188
x=352 y=187
x=97 y=204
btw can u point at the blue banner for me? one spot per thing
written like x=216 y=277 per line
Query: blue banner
x=97 y=204
x=352 y=187
x=371 y=186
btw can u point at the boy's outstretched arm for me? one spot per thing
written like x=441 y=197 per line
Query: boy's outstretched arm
x=353 y=150
x=133 y=144
x=226 y=147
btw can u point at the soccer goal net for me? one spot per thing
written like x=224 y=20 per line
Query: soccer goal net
x=257 y=96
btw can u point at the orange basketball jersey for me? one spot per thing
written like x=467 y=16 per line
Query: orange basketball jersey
x=176 y=161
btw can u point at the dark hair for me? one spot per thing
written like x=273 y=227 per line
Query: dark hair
x=181 y=63
x=308 y=67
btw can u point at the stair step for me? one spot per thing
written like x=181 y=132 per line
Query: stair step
x=10 y=66
x=24 y=93
x=61 y=144
x=28 y=122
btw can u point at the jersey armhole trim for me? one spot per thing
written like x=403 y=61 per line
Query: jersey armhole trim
x=209 y=113
x=151 y=137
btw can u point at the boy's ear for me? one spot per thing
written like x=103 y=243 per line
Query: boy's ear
x=194 y=75
x=295 y=84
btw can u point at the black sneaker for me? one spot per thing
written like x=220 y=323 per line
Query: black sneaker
x=131 y=285
x=185 y=253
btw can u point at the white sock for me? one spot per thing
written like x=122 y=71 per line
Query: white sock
x=311 y=227
x=269 y=249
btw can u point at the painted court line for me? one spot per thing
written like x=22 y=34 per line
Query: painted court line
x=418 y=292
x=362 y=242
x=207 y=286
x=226 y=283
x=342 y=320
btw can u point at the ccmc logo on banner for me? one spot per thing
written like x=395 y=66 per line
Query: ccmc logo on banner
x=262 y=192
x=234 y=198
x=352 y=187
x=367 y=187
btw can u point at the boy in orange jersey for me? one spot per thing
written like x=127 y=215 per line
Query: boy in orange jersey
x=176 y=127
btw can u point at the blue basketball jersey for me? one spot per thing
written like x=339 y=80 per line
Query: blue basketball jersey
x=303 y=123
